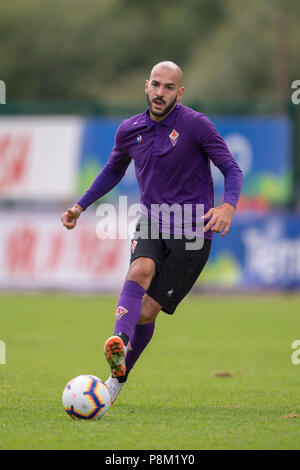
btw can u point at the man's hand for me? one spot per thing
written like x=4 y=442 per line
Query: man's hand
x=221 y=218
x=69 y=218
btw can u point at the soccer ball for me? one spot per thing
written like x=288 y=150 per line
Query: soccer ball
x=86 y=397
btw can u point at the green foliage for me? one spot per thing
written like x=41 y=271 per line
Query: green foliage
x=103 y=50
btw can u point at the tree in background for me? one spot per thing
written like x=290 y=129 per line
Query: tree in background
x=103 y=50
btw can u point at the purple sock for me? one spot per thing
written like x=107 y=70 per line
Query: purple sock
x=129 y=308
x=141 y=336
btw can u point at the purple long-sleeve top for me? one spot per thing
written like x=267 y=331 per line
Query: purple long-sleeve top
x=172 y=161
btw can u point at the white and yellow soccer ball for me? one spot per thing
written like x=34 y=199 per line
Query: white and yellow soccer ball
x=86 y=397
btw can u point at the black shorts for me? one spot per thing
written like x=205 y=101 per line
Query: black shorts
x=177 y=268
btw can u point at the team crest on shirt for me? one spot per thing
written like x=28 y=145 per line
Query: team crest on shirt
x=174 y=137
x=120 y=312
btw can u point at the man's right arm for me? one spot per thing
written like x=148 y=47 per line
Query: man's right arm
x=69 y=218
x=107 y=179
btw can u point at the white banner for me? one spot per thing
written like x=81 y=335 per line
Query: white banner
x=39 y=157
x=37 y=252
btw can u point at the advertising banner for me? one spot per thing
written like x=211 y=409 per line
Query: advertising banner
x=96 y=145
x=259 y=252
x=37 y=252
x=261 y=146
x=57 y=158
x=39 y=157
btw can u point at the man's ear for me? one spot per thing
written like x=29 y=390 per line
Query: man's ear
x=180 y=93
x=146 y=86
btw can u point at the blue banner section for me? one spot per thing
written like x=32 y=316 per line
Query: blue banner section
x=258 y=252
x=96 y=145
x=261 y=145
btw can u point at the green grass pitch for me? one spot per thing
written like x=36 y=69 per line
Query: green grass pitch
x=173 y=399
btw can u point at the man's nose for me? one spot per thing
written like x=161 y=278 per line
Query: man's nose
x=160 y=92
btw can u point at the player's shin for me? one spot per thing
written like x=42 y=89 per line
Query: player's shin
x=140 y=339
x=127 y=315
x=128 y=308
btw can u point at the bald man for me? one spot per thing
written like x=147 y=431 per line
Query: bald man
x=171 y=146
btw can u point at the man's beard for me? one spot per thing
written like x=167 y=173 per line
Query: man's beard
x=163 y=112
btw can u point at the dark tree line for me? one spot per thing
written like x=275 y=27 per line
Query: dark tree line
x=103 y=50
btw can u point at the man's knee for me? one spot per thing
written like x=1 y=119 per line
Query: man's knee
x=141 y=270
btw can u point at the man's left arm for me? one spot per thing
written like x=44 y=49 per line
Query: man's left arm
x=221 y=218
x=216 y=149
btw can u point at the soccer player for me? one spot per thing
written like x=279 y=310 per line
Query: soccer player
x=171 y=146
